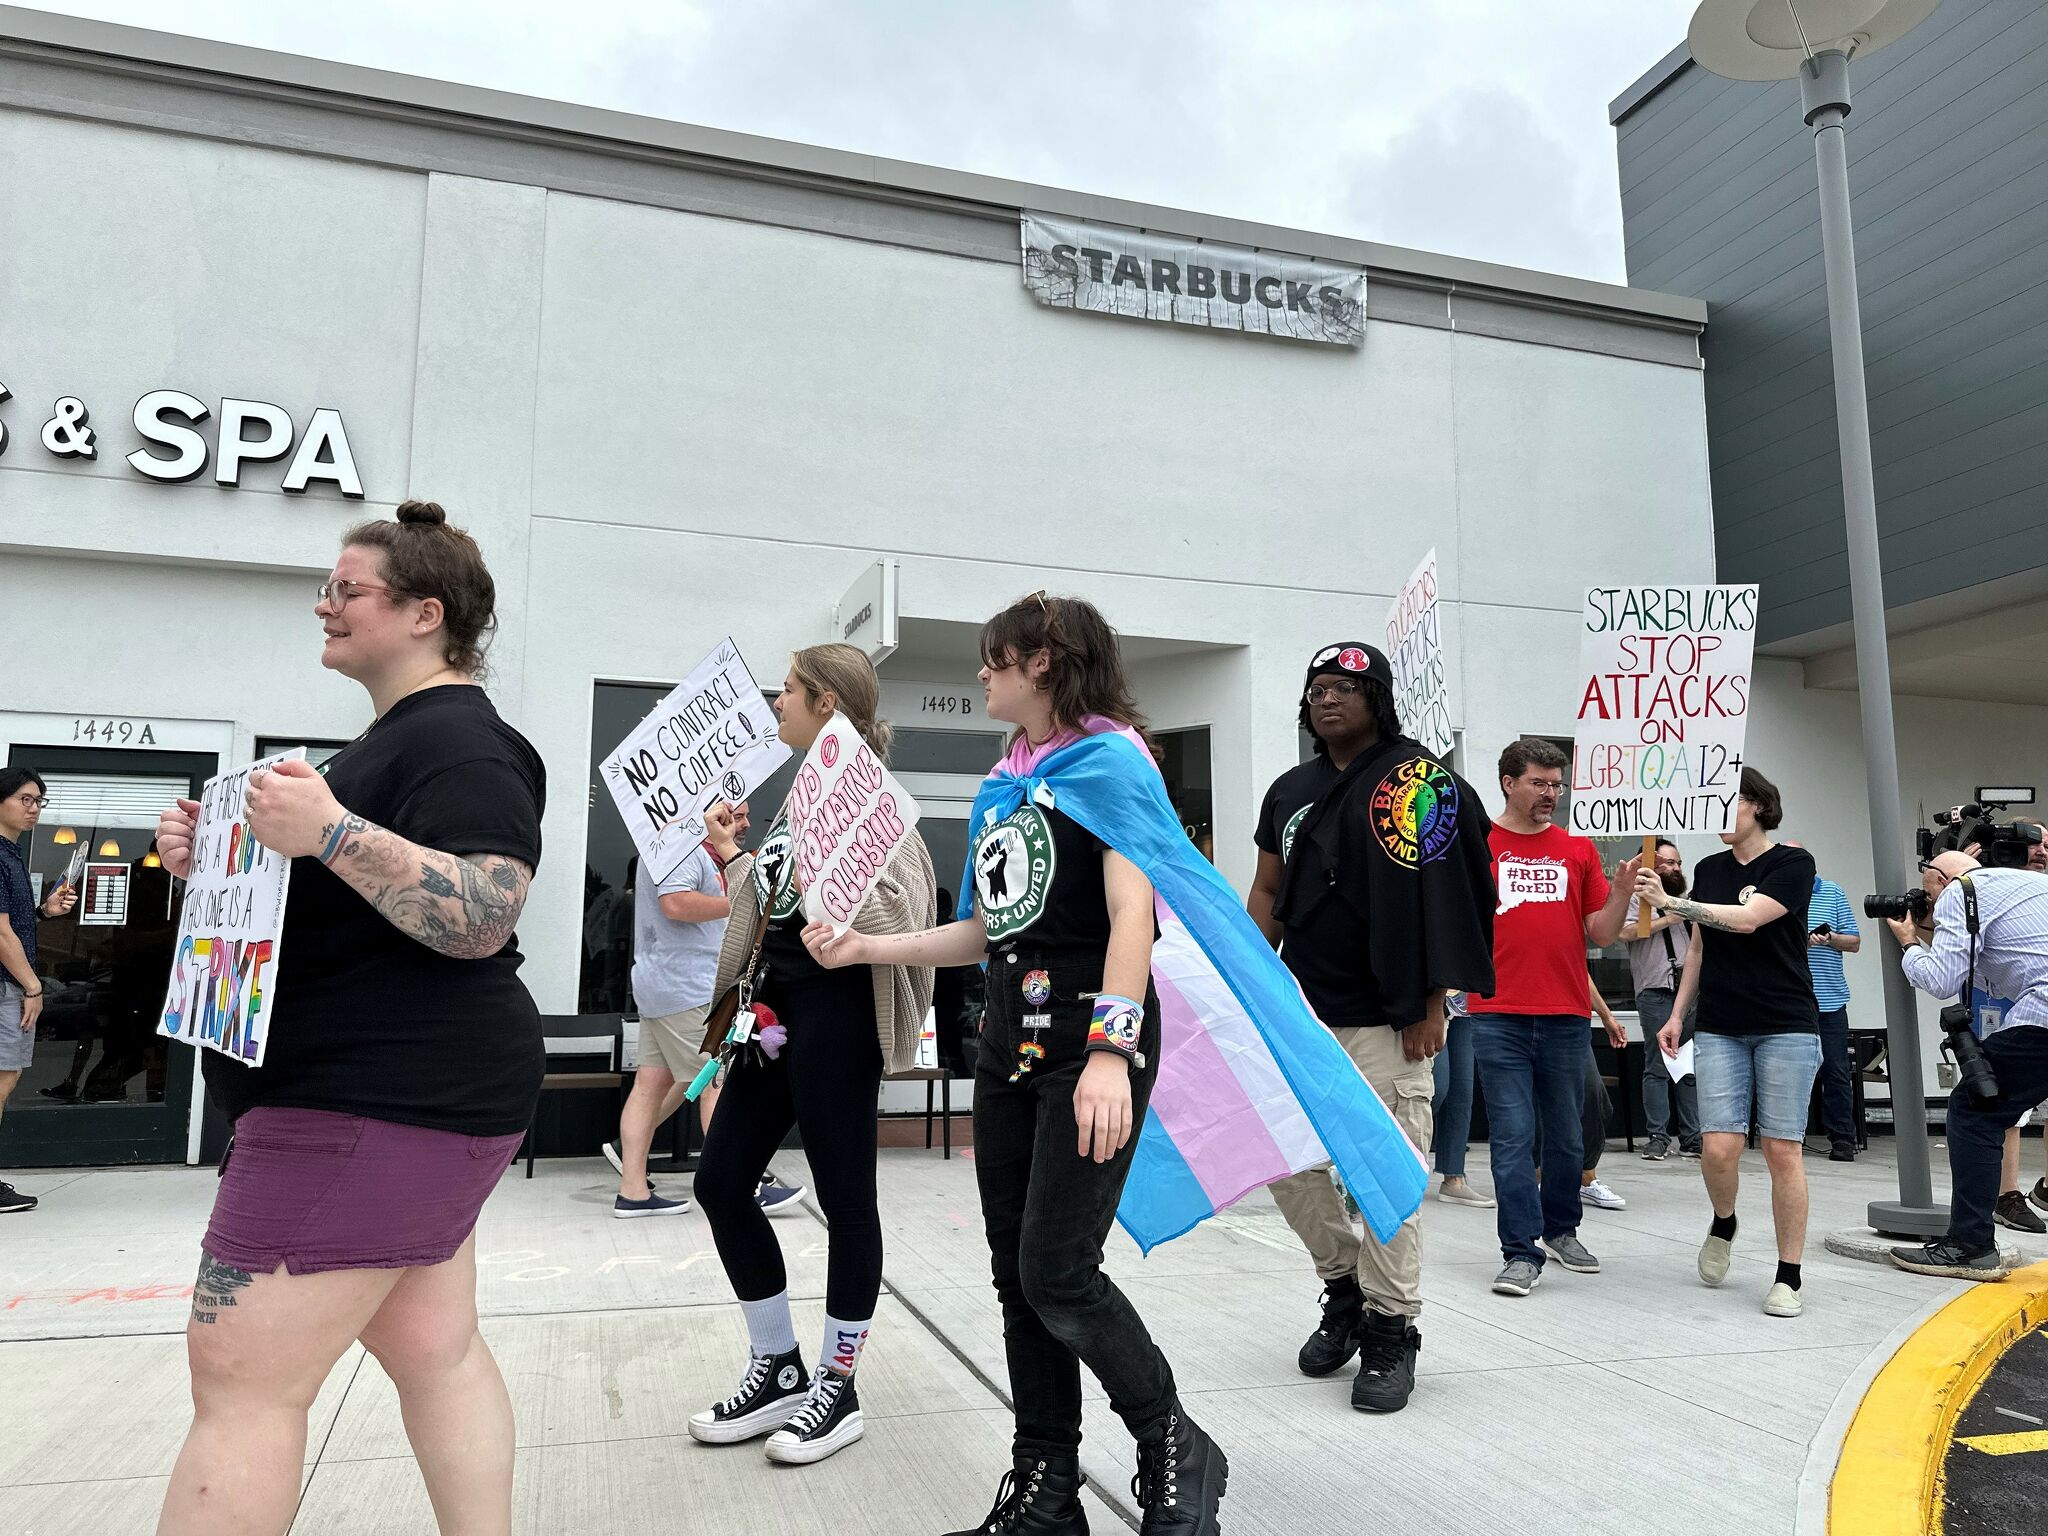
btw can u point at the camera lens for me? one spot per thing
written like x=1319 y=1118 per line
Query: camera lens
x=1887 y=907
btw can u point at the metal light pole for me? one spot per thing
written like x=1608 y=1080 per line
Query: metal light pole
x=1814 y=40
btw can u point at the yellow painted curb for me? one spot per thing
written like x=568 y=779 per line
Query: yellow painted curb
x=1888 y=1481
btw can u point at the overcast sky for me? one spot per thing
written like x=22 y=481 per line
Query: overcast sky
x=1476 y=127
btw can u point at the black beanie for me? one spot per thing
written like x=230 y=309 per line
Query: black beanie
x=1354 y=657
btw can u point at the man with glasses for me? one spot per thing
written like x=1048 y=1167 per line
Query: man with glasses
x=2010 y=957
x=1531 y=1035
x=22 y=798
x=1372 y=880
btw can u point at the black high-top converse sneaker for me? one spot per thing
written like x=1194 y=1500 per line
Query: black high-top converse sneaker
x=1386 y=1367
x=1180 y=1481
x=1040 y=1496
x=1336 y=1339
x=828 y=1420
x=769 y=1393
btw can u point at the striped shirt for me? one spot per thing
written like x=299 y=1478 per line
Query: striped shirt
x=2012 y=943
x=1830 y=905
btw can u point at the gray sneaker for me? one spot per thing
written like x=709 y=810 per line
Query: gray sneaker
x=1572 y=1254
x=1518 y=1279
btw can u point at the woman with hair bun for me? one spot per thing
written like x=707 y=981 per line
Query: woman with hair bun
x=842 y=1030
x=404 y=1058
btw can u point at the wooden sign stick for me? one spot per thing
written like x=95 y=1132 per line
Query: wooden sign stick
x=1647 y=913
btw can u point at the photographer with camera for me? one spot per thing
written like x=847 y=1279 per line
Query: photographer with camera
x=1981 y=918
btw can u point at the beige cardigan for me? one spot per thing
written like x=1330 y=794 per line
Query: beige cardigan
x=901 y=902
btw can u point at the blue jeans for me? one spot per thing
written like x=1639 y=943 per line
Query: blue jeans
x=1775 y=1072
x=1532 y=1069
x=1837 y=1079
x=1453 y=1103
x=1663 y=1100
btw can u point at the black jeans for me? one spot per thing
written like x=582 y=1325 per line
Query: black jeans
x=1977 y=1127
x=1837 y=1078
x=1047 y=1208
x=826 y=1081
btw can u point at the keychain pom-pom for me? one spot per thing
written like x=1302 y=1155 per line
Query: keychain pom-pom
x=764 y=1017
x=771 y=1040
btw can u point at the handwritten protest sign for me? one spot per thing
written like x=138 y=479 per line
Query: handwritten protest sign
x=1415 y=650
x=224 y=968
x=1663 y=702
x=711 y=739
x=848 y=815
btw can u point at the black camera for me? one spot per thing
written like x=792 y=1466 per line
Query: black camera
x=1914 y=905
x=1973 y=1067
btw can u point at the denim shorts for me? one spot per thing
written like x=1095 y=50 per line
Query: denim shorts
x=1776 y=1070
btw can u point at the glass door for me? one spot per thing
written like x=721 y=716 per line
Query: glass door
x=104 y=1087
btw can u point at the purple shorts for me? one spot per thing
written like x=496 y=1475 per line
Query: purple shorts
x=314 y=1190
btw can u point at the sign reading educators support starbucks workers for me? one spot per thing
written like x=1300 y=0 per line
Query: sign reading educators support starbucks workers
x=224 y=967
x=1663 y=703
x=713 y=738
x=847 y=815
x=1415 y=651
x=1112 y=271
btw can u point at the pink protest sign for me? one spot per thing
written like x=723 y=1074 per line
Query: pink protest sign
x=848 y=815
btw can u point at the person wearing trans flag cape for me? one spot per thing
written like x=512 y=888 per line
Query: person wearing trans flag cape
x=1145 y=1057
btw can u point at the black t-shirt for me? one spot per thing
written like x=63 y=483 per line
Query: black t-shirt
x=1038 y=880
x=1291 y=798
x=368 y=1020
x=1757 y=983
x=1326 y=948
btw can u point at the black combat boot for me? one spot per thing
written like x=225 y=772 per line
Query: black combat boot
x=1335 y=1340
x=1386 y=1368
x=1040 y=1496
x=1180 y=1481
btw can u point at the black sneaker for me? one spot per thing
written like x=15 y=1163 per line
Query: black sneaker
x=2039 y=1193
x=12 y=1200
x=1386 y=1367
x=1335 y=1340
x=829 y=1420
x=1950 y=1261
x=1656 y=1149
x=1842 y=1152
x=769 y=1393
x=1040 y=1496
x=2013 y=1211
x=1180 y=1481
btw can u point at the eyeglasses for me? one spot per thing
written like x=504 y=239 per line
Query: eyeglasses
x=1343 y=688
x=1547 y=786
x=34 y=802
x=339 y=592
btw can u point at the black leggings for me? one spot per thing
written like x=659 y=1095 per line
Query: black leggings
x=825 y=1082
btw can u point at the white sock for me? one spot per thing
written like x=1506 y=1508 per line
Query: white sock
x=769 y=1329
x=843 y=1343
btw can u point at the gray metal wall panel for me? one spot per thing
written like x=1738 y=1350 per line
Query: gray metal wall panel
x=1948 y=148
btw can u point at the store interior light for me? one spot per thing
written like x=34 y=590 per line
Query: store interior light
x=151 y=861
x=64 y=837
x=110 y=849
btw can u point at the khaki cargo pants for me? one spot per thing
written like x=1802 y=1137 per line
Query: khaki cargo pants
x=1390 y=1274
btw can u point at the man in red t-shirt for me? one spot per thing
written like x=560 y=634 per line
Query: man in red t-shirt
x=1529 y=1039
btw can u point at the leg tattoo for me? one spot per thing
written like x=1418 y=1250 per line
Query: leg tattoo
x=215 y=1288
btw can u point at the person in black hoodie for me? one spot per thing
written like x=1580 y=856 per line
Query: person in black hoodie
x=1373 y=880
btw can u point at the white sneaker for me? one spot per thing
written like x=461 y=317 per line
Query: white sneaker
x=1714 y=1256
x=611 y=1155
x=1461 y=1192
x=1782 y=1302
x=1599 y=1194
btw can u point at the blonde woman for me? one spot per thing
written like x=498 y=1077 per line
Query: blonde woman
x=845 y=1028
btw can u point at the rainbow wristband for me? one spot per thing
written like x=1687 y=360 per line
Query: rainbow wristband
x=1115 y=1025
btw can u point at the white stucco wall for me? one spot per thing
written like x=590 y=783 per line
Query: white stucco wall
x=665 y=427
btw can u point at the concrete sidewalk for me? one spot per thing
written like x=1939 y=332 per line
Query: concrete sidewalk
x=1631 y=1400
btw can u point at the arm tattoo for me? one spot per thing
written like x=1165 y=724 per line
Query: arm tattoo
x=215 y=1288
x=463 y=907
x=1697 y=912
